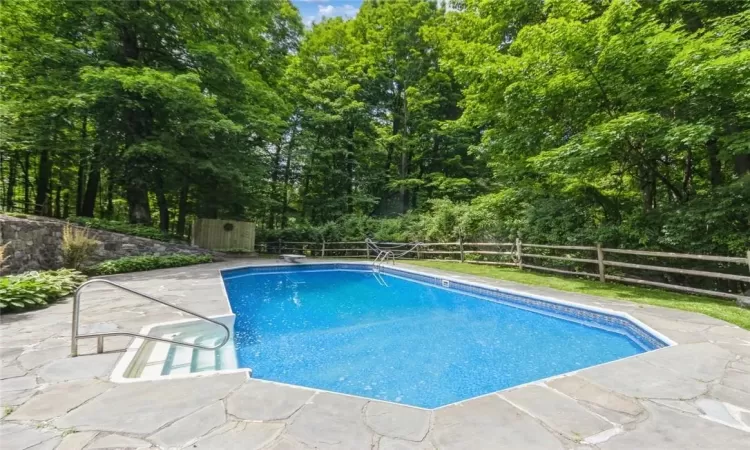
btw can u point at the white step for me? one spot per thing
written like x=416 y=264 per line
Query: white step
x=227 y=356
x=182 y=357
x=205 y=359
x=157 y=358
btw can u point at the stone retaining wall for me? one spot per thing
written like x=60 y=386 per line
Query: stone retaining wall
x=36 y=244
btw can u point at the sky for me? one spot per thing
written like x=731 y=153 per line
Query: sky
x=315 y=10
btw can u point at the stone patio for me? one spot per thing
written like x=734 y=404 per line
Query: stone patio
x=692 y=396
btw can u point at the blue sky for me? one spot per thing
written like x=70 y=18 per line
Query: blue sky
x=315 y=10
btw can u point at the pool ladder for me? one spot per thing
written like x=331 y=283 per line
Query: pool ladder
x=100 y=336
x=381 y=259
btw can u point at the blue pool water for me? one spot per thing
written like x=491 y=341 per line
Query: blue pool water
x=406 y=342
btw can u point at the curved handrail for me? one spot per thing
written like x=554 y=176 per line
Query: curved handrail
x=100 y=336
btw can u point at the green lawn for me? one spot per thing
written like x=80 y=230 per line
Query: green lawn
x=721 y=309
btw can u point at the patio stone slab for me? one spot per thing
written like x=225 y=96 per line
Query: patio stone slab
x=76 y=441
x=241 y=436
x=284 y=442
x=489 y=423
x=16 y=436
x=58 y=399
x=742 y=366
x=81 y=367
x=18 y=384
x=9 y=354
x=11 y=371
x=717 y=411
x=332 y=421
x=116 y=441
x=397 y=421
x=667 y=429
x=191 y=427
x=615 y=407
x=638 y=378
x=737 y=380
x=143 y=408
x=36 y=358
x=703 y=362
x=387 y=443
x=14 y=398
x=557 y=411
x=258 y=400
x=730 y=395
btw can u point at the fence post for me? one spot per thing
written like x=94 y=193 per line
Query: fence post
x=323 y=250
x=519 y=253
x=368 y=250
x=419 y=252
x=278 y=249
x=461 y=246
x=600 y=259
x=748 y=259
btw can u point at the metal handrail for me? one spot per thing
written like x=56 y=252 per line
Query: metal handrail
x=100 y=336
x=378 y=262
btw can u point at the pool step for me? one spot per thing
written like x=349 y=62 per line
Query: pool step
x=158 y=359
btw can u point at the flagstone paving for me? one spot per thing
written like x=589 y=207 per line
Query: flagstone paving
x=695 y=395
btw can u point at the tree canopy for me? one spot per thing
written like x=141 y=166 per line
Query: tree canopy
x=617 y=121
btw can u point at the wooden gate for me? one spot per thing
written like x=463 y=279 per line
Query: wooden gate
x=217 y=234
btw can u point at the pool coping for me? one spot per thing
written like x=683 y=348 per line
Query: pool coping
x=124 y=363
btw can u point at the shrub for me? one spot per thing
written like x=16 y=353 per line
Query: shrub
x=143 y=231
x=77 y=246
x=141 y=263
x=234 y=250
x=34 y=289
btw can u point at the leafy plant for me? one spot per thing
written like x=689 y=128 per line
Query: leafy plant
x=35 y=289
x=141 y=263
x=77 y=246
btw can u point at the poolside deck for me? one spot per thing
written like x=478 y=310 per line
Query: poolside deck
x=694 y=395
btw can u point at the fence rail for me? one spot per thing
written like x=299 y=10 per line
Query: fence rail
x=512 y=254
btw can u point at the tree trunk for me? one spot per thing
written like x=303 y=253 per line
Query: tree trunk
x=110 y=211
x=92 y=186
x=42 y=183
x=647 y=185
x=714 y=165
x=26 y=182
x=12 y=174
x=182 y=208
x=139 y=210
x=58 y=205
x=405 y=156
x=274 y=180
x=161 y=201
x=287 y=174
x=66 y=205
x=742 y=164
x=81 y=181
x=687 y=176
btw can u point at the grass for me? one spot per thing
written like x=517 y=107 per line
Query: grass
x=725 y=310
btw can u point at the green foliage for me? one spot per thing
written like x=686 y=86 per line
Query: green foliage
x=143 y=231
x=142 y=263
x=35 y=289
x=624 y=122
x=77 y=247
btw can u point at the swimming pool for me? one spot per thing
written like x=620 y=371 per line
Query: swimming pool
x=412 y=338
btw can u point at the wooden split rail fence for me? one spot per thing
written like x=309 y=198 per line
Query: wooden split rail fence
x=525 y=256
